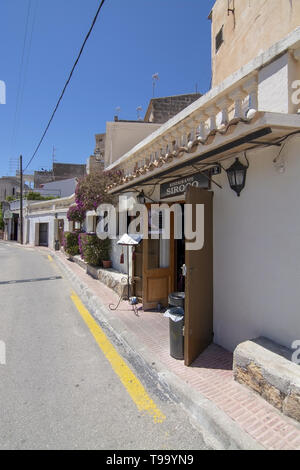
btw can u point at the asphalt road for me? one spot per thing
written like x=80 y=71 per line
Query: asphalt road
x=57 y=389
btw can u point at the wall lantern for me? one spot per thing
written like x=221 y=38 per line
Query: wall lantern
x=237 y=175
x=141 y=198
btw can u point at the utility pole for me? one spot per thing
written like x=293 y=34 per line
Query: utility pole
x=21 y=198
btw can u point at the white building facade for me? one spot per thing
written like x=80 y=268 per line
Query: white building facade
x=45 y=222
x=254 y=255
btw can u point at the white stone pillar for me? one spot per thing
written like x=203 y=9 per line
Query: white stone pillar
x=251 y=88
x=237 y=97
x=212 y=112
x=201 y=129
x=223 y=105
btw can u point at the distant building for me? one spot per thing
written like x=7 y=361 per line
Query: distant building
x=9 y=186
x=63 y=171
x=61 y=188
x=160 y=110
x=96 y=161
x=42 y=177
x=122 y=135
x=100 y=146
x=60 y=171
x=46 y=221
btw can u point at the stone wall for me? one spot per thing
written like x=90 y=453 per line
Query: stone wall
x=252 y=28
x=266 y=368
x=161 y=110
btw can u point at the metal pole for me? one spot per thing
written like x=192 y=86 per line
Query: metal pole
x=21 y=199
x=128 y=288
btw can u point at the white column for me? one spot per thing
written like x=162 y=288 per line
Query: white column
x=191 y=129
x=237 y=96
x=200 y=121
x=155 y=152
x=223 y=105
x=184 y=131
x=251 y=88
x=173 y=137
x=212 y=112
x=165 y=144
x=178 y=137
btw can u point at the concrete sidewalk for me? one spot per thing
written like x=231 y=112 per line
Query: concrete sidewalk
x=234 y=415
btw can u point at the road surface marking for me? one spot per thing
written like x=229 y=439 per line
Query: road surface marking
x=132 y=384
x=20 y=281
x=50 y=258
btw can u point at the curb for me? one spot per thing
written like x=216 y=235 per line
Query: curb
x=224 y=433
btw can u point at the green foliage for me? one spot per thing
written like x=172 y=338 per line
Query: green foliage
x=91 y=191
x=92 y=249
x=1 y=218
x=70 y=243
x=33 y=196
x=76 y=214
x=10 y=198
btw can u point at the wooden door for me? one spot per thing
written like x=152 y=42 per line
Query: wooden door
x=198 y=330
x=158 y=270
x=43 y=234
x=138 y=270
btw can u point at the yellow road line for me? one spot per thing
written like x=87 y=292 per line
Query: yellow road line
x=50 y=258
x=132 y=384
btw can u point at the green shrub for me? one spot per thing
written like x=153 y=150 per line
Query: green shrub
x=1 y=218
x=35 y=196
x=71 y=243
x=92 y=249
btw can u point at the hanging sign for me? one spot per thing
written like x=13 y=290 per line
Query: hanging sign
x=176 y=187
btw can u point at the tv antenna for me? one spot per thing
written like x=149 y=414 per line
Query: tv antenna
x=155 y=78
x=53 y=154
x=138 y=110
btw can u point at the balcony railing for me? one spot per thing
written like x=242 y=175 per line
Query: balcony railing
x=238 y=103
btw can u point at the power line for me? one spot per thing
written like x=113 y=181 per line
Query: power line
x=66 y=84
x=20 y=75
x=28 y=55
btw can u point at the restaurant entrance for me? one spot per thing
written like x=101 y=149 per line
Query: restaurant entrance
x=175 y=265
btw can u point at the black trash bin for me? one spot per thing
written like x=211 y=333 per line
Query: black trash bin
x=175 y=313
x=176 y=334
x=177 y=299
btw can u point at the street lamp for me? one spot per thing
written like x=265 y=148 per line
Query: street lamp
x=141 y=198
x=237 y=175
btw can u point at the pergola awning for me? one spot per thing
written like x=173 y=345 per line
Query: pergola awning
x=265 y=129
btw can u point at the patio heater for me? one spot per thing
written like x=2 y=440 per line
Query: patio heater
x=127 y=240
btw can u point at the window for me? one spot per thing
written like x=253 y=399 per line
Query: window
x=219 y=39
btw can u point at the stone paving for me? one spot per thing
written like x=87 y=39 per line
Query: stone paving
x=210 y=374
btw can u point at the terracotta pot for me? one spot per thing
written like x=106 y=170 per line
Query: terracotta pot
x=106 y=264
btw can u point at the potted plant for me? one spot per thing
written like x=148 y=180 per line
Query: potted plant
x=105 y=251
x=106 y=263
x=93 y=250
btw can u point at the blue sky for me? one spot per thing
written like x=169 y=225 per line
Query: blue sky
x=132 y=40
